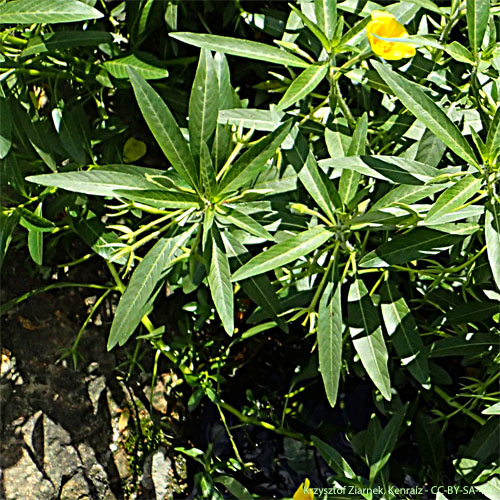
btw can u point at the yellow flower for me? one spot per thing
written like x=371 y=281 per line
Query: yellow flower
x=302 y=493
x=384 y=25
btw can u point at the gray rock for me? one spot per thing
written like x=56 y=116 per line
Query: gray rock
x=158 y=474
x=76 y=488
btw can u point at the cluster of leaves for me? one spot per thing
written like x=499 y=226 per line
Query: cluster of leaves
x=356 y=214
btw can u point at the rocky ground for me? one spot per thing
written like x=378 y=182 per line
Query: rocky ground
x=74 y=434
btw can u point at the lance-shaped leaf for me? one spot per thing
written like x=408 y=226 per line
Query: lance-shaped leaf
x=283 y=253
x=164 y=128
x=250 y=163
x=160 y=198
x=65 y=40
x=493 y=138
x=98 y=182
x=93 y=232
x=243 y=221
x=330 y=341
x=387 y=168
x=315 y=30
x=326 y=16
x=46 y=11
x=419 y=243
x=317 y=184
x=349 y=179
x=242 y=48
x=303 y=85
x=453 y=198
x=203 y=103
x=404 y=334
x=423 y=107
x=334 y=459
x=492 y=233
x=234 y=487
x=219 y=280
x=144 y=285
x=430 y=442
x=478 y=14
x=35 y=240
x=406 y=194
x=260 y=119
x=465 y=346
x=147 y=65
x=258 y=288
x=367 y=338
x=207 y=171
x=226 y=92
x=386 y=443
x=5 y=128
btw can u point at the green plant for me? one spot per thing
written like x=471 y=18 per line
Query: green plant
x=357 y=214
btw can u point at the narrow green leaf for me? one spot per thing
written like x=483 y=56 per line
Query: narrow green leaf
x=326 y=16
x=219 y=279
x=32 y=220
x=260 y=119
x=207 y=171
x=473 y=311
x=243 y=221
x=241 y=48
x=386 y=443
x=404 y=334
x=46 y=11
x=226 y=92
x=367 y=338
x=463 y=346
x=35 y=240
x=492 y=234
x=93 y=232
x=478 y=14
x=330 y=341
x=493 y=138
x=392 y=169
x=283 y=253
x=260 y=290
x=349 y=179
x=423 y=107
x=203 y=103
x=453 y=198
x=8 y=225
x=98 y=182
x=250 y=163
x=322 y=190
x=145 y=64
x=303 y=85
x=313 y=27
x=234 y=487
x=165 y=129
x=492 y=410
x=419 y=243
x=406 y=194
x=72 y=134
x=430 y=442
x=5 y=128
x=430 y=149
x=143 y=287
x=221 y=146
x=160 y=198
x=334 y=459
x=65 y=39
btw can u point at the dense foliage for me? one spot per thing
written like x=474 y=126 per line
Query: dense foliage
x=307 y=233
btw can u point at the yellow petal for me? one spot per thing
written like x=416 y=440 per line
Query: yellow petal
x=385 y=25
x=300 y=494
